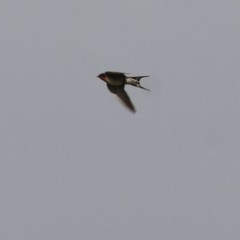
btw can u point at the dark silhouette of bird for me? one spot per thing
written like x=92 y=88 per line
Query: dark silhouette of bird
x=116 y=82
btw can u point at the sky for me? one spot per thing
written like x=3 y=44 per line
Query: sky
x=76 y=164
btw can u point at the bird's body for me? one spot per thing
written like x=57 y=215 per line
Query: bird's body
x=116 y=82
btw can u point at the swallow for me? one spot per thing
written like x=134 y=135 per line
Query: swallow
x=116 y=82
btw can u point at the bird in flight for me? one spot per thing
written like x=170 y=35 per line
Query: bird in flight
x=116 y=82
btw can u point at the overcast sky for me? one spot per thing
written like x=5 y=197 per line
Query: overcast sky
x=76 y=164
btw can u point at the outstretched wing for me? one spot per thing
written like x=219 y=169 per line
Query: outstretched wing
x=122 y=96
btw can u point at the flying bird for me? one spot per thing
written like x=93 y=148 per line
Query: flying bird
x=116 y=82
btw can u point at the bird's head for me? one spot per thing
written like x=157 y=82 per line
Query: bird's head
x=102 y=76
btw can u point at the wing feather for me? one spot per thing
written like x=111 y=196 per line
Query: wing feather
x=122 y=96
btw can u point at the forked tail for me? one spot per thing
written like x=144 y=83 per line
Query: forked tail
x=135 y=81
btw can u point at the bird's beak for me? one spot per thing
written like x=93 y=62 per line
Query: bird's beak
x=101 y=77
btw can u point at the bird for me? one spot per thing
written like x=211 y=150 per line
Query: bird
x=116 y=82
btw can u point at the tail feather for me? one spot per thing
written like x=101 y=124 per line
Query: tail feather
x=135 y=81
x=139 y=77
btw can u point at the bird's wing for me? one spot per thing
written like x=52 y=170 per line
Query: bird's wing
x=122 y=96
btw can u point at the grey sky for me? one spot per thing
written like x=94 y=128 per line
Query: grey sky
x=75 y=164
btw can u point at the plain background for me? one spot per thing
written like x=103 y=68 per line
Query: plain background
x=75 y=164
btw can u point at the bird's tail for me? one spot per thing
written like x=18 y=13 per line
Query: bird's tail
x=135 y=81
